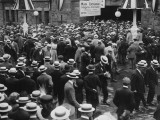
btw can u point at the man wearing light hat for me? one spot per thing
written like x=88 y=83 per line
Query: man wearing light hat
x=6 y=62
x=151 y=78
x=138 y=84
x=4 y=110
x=86 y=112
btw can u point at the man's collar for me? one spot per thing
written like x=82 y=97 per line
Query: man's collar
x=70 y=82
x=124 y=86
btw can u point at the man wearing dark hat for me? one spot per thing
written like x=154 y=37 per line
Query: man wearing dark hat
x=102 y=70
x=85 y=60
x=124 y=99
x=26 y=84
x=151 y=79
x=67 y=51
x=3 y=75
x=12 y=82
x=63 y=80
x=138 y=84
x=44 y=81
x=56 y=74
x=91 y=82
x=61 y=46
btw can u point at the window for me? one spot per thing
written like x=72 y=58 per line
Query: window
x=13 y=16
x=40 y=17
x=7 y=16
x=46 y=17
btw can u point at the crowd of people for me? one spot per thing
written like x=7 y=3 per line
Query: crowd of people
x=59 y=72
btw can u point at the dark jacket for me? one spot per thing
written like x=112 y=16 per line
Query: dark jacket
x=20 y=74
x=124 y=100
x=137 y=82
x=91 y=82
x=27 y=84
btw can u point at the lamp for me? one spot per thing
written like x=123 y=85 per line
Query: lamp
x=117 y=14
x=36 y=13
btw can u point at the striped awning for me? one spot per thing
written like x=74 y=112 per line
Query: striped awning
x=155 y=5
x=23 y=5
x=134 y=4
x=59 y=4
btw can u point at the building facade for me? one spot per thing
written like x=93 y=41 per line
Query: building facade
x=49 y=13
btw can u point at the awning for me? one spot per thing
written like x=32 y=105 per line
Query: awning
x=23 y=5
x=134 y=4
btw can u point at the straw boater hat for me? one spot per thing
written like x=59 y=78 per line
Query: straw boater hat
x=141 y=64
x=35 y=94
x=154 y=62
x=12 y=70
x=21 y=59
x=23 y=100
x=6 y=56
x=42 y=68
x=90 y=67
x=3 y=69
x=2 y=88
x=1 y=97
x=86 y=108
x=104 y=59
x=5 y=107
x=72 y=76
x=34 y=64
x=47 y=58
x=76 y=72
x=30 y=107
x=20 y=64
x=71 y=61
x=60 y=113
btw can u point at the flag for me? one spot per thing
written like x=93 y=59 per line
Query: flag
x=134 y=4
x=154 y=5
x=59 y=4
x=23 y=5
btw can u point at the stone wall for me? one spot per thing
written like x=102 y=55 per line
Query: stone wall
x=1 y=15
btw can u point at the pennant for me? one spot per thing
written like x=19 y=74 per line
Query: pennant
x=23 y=5
x=59 y=4
x=155 y=5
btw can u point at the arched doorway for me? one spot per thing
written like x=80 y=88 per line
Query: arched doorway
x=126 y=14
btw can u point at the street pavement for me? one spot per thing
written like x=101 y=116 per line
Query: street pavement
x=125 y=71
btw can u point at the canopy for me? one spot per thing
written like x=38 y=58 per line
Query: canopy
x=23 y=5
x=134 y=4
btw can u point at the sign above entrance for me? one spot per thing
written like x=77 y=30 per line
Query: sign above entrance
x=113 y=2
x=90 y=8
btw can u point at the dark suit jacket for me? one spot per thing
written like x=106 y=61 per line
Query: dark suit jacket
x=3 y=78
x=12 y=85
x=11 y=51
x=19 y=114
x=137 y=82
x=124 y=100
x=92 y=82
x=6 y=64
x=50 y=68
x=69 y=95
x=60 y=48
x=27 y=84
x=20 y=74
x=151 y=77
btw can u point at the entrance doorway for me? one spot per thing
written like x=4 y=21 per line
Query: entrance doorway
x=108 y=13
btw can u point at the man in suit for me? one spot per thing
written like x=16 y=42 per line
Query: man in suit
x=103 y=73
x=11 y=83
x=56 y=74
x=63 y=80
x=3 y=75
x=141 y=52
x=124 y=99
x=44 y=81
x=91 y=82
x=20 y=70
x=61 y=46
x=138 y=84
x=4 y=110
x=6 y=63
x=69 y=94
x=47 y=64
x=151 y=78
x=26 y=84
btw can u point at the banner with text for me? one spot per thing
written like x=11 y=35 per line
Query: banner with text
x=90 y=8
